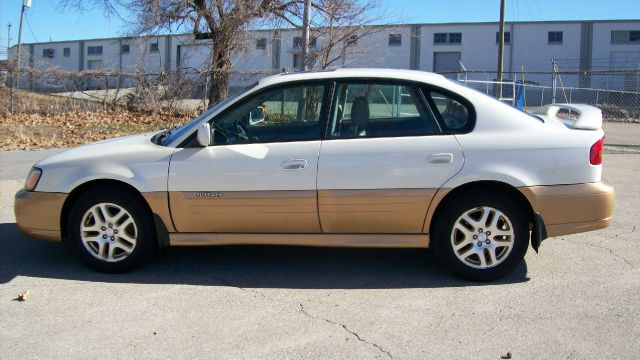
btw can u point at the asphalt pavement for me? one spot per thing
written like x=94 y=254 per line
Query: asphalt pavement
x=579 y=298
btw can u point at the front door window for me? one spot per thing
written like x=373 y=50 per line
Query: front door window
x=283 y=114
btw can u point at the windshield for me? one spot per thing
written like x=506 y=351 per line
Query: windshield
x=178 y=132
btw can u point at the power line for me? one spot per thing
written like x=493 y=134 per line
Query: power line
x=31 y=30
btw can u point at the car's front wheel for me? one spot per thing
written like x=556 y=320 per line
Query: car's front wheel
x=481 y=235
x=110 y=230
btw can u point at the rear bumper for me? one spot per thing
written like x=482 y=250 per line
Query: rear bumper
x=38 y=214
x=570 y=209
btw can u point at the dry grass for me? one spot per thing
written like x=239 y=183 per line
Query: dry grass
x=44 y=121
x=25 y=102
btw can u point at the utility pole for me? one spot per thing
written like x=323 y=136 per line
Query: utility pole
x=500 y=48
x=25 y=4
x=8 y=39
x=305 y=35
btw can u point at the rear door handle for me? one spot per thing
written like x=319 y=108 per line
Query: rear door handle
x=294 y=164
x=442 y=158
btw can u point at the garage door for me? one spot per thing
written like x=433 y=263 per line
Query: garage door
x=446 y=62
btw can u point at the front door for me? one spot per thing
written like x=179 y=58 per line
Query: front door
x=259 y=173
x=384 y=158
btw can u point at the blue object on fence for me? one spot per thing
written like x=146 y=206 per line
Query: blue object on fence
x=519 y=100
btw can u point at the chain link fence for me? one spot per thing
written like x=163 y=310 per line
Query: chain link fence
x=617 y=92
x=620 y=107
x=184 y=90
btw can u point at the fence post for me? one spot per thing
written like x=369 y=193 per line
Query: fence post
x=570 y=93
x=553 y=81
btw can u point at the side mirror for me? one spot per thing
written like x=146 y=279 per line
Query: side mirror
x=204 y=135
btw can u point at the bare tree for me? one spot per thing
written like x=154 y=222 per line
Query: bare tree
x=217 y=20
x=338 y=25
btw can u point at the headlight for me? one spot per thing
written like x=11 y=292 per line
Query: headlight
x=32 y=179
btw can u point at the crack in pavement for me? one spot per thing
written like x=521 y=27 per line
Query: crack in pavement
x=301 y=310
x=345 y=328
x=602 y=247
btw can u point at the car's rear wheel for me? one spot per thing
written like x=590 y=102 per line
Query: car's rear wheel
x=110 y=230
x=481 y=235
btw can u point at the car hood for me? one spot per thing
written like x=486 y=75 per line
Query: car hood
x=112 y=148
x=134 y=160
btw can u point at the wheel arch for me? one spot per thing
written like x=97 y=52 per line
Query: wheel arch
x=443 y=196
x=83 y=188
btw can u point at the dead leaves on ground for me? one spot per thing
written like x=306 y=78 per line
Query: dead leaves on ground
x=34 y=131
x=23 y=296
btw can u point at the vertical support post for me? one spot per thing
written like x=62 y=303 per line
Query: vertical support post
x=553 y=81
x=305 y=35
x=19 y=45
x=500 y=48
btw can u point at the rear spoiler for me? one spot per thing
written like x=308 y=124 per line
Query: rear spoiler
x=589 y=117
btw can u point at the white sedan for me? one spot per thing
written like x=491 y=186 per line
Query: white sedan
x=353 y=157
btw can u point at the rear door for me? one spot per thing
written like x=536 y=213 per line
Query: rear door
x=259 y=173
x=383 y=159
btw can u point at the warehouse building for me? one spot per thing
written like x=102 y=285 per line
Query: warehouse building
x=443 y=48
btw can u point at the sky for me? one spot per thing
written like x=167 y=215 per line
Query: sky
x=46 y=21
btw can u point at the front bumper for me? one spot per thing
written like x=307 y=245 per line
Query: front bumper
x=38 y=214
x=570 y=209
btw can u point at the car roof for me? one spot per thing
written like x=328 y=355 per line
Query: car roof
x=399 y=74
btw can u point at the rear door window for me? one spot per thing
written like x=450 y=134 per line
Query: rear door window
x=364 y=109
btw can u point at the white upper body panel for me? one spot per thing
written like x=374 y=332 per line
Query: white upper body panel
x=420 y=162
x=505 y=145
x=246 y=167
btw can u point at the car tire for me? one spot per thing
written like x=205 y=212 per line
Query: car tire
x=111 y=230
x=480 y=236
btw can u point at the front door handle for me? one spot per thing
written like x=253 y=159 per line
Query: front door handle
x=294 y=164
x=442 y=158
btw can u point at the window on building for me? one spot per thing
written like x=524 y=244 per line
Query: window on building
x=455 y=38
x=66 y=52
x=124 y=49
x=297 y=42
x=440 y=38
x=447 y=38
x=154 y=48
x=48 y=53
x=352 y=40
x=625 y=36
x=94 y=50
x=261 y=43
x=507 y=37
x=554 y=37
x=395 y=39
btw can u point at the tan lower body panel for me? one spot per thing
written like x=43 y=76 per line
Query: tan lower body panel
x=159 y=203
x=277 y=211
x=388 y=211
x=328 y=240
x=38 y=214
x=570 y=209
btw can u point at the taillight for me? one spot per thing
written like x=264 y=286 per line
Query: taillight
x=595 y=154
